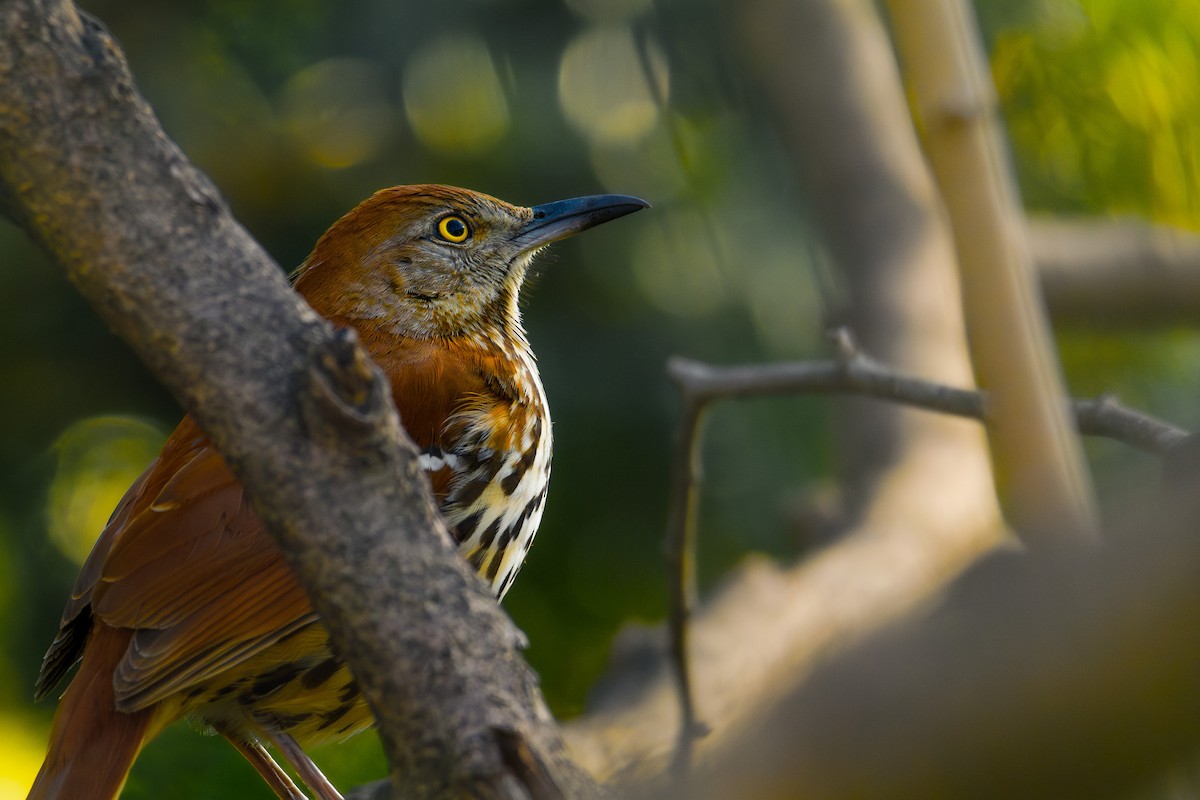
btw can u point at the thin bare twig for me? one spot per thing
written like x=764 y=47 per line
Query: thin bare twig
x=681 y=569
x=851 y=373
x=856 y=373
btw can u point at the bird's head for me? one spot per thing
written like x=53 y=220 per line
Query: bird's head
x=437 y=261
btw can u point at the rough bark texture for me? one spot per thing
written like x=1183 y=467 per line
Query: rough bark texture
x=303 y=417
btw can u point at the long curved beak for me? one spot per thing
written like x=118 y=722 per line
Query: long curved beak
x=558 y=220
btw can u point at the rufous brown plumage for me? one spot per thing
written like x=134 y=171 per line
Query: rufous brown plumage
x=186 y=607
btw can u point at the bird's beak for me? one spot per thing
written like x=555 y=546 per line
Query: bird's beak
x=554 y=221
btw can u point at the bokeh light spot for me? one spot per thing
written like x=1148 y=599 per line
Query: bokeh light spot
x=609 y=10
x=453 y=96
x=338 y=111
x=675 y=265
x=650 y=167
x=21 y=755
x=604 y=88
x=98 y=459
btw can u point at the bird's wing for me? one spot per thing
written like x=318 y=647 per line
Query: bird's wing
x=186 y=564
x=192 y=571
x=76 y=623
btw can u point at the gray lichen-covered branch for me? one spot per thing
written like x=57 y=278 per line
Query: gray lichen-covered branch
x=301 y=414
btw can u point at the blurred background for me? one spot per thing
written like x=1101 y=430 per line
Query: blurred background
x=299 y=109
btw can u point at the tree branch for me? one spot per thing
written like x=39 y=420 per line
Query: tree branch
x=854 y=373
x=680 y=547
x=1117 y=270
x=301 y=414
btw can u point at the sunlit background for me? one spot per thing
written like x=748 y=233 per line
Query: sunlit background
x=298 y=109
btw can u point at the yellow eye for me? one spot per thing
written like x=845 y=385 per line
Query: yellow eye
x=453 y=229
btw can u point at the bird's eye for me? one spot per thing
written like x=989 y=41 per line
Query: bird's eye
x=453 y=229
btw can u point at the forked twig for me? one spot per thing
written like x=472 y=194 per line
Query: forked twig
x=853 y=373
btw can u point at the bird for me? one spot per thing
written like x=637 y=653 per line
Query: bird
x=186 y=607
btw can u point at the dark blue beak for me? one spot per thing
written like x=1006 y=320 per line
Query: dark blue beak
x=558 y=220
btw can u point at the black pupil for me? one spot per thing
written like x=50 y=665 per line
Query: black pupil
x=455 y=228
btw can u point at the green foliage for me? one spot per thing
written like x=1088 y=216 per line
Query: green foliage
x=1102 y=99
x=98 y=459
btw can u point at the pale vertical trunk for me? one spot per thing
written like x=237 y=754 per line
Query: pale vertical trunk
x=1044 y=485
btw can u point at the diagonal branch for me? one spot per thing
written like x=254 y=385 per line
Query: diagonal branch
x=301 y=414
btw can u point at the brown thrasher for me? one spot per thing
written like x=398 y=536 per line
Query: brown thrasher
x=186 y=607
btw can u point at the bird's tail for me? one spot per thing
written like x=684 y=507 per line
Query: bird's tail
x=92 y=745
